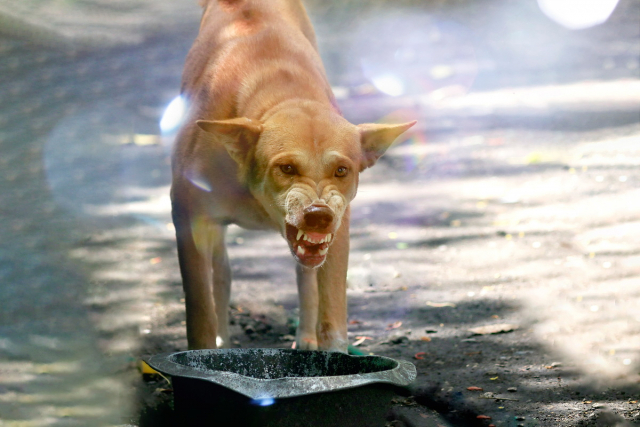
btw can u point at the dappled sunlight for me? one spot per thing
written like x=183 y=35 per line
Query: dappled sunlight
x=590 y=326
x=580 y=96
x=155 y=207
x=46 y=405
x=564 y=256
x=513 y=201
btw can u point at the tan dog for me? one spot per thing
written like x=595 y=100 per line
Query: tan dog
x=264 y=146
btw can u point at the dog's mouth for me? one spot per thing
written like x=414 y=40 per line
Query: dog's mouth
x=309 y=248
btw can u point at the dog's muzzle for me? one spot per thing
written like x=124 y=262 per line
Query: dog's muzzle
x=309 y=240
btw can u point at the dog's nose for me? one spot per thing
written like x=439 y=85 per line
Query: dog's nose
x=318 y=216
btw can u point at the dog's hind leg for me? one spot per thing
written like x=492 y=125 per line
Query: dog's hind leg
x=221 y=285
x=308 y=296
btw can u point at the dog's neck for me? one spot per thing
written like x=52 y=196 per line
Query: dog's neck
x=279 y=84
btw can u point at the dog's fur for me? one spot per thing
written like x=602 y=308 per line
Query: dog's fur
x=264 y=146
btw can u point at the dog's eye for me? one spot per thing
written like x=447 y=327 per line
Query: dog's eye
x=288 y=169
x=341 y=171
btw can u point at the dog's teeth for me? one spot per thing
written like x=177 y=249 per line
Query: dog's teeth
x=323 y=251
x=300 y=250
x=300 y=233
x=328 y=238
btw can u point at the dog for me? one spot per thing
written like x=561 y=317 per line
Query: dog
x=264 y=146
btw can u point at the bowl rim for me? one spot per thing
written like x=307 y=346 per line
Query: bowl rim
x=402 y=374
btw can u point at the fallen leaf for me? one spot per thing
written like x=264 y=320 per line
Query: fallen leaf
x=360 y=340
x=145 y=369
x=473 y=353
x=355 y=322
x=494 y=329
x=427 y=339
x=394 y=325
x=483 y=417
x=440 y=304
x=494 y=378
x=473 y=388
x=419 y=355
x=533 y=158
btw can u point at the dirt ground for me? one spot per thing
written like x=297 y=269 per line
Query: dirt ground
x=512 y=208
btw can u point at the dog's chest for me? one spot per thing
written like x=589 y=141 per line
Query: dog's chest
x=234 y=204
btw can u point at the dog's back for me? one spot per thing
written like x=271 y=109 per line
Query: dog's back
x=239 y=37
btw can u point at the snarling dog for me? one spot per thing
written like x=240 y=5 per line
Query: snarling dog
x=264 y=146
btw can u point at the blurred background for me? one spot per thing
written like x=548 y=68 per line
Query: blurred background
x=520 y=182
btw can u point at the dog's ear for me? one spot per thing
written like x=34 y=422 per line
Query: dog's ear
x=238 y=135
x=376 y=138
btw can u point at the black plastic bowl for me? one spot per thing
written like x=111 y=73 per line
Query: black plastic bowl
x=278 y=387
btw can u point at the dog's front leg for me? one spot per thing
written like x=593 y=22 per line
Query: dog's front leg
x=332 y=292
x=308 y=296
x=195 y=241
x=221 y=286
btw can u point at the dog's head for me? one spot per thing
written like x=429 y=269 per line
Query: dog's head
x=303 y=165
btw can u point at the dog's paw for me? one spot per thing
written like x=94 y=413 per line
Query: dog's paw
x=306 y=343
x=332 y=339
x=340 y=346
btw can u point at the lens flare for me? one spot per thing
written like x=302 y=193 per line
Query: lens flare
x=389 y=84
x=265 y=401
x=578 y=14
x=173 y=115
x=417 y=142
x=411 y=58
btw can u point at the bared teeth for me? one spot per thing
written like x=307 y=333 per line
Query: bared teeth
x=300 y=250
x=305 y=237
x=323 y=251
